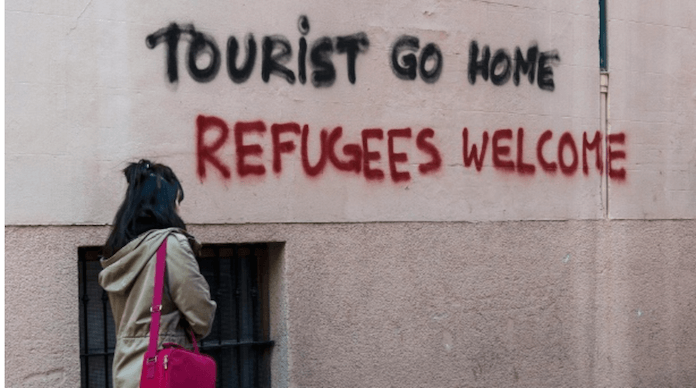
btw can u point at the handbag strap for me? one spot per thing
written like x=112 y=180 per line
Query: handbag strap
x=156 y=308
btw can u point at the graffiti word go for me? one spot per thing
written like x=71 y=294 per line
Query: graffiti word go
x=428 y=65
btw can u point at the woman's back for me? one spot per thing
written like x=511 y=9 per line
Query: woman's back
x=128 y=276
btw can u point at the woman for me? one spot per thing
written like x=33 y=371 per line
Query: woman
x=148 y=216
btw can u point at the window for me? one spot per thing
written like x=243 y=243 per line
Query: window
x=239 y=340
x=97 y=332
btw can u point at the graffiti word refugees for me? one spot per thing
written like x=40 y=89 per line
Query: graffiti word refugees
x=276 y=53
x=354 y=158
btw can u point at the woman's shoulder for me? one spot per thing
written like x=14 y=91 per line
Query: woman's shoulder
x=185 y=240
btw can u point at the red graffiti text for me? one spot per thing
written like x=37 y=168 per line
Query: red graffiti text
x=564 y=154
x=380 y=154
x=360 y=158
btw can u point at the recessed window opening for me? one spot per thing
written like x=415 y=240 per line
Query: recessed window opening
x=240 y=337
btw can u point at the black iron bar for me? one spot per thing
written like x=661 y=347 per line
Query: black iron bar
x=255 y=311
x=83 y=355
x=85 y=300
x=235 y=354
x=238 y=316
x=247 y=317
x=217 y=311
x=217 y=293
x=105 y=300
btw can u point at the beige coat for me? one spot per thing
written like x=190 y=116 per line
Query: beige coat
x=128 y=277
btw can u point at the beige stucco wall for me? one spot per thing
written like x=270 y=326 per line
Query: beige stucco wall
x=86 y=95
x=529 y=304
x=89 y=96
x=652 y=77
x=453 y=278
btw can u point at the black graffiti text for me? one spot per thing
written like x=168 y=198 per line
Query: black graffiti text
x=276 y=55
x=428 y=64
x=499 y=66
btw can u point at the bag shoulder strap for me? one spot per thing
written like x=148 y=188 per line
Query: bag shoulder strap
x=156 y=308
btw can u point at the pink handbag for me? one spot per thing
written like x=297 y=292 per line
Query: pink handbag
x=172 y=366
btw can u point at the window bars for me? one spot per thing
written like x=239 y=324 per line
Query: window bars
x=239 y=339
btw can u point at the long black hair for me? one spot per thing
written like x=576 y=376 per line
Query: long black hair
x=150 y=203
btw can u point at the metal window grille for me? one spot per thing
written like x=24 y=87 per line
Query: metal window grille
x=239 y=340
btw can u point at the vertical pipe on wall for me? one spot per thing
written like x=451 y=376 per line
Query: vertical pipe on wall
x=604 y=99
x=603 y=64
x=604 y=123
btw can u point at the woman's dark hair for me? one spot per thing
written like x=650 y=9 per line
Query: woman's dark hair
x=150 y=203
